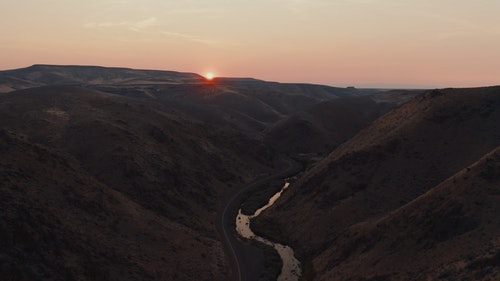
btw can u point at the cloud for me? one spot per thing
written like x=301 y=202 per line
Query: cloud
x=105 y=24
x=146 y=22
x=135 y=26
x=189 y=37
x=145 y=25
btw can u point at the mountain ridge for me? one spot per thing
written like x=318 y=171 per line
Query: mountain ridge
x=244 y=105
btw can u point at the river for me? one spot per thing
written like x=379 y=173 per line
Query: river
x=291 y=270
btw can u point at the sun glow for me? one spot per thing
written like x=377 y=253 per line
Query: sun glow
x=209 y=76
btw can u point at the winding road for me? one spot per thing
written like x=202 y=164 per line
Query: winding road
x=246 y=261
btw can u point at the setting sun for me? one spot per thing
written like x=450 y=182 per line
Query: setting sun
x=209 y=76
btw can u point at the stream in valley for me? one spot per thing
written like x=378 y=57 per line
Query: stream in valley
x=291 y=270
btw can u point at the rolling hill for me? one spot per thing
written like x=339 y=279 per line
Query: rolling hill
x=40 y=74
x=386 y=167
x=449 y=232
x=246 y=105
x=97 y=186
x=325 y=125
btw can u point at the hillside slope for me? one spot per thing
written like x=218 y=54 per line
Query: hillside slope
x=96 y=186
x=322 y=127
x=399 y=157
x=450 y=232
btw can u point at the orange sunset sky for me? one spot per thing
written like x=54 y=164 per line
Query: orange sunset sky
x=363 y=43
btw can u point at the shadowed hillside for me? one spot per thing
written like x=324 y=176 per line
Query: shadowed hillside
x=399 y=157
x=324 y=126
x=448 y=233
x=102 y=187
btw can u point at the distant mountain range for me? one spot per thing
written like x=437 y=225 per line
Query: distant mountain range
x=246 y=105
x=38 y=75
x=117 y=174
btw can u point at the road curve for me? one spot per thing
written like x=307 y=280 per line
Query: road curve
x=239 y=255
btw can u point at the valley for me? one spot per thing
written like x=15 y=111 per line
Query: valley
x=124 y=174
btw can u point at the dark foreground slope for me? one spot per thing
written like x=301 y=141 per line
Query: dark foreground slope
x=449 y=233
x=95 y=186
x=402 y=155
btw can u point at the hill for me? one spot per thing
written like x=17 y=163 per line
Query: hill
x=94 y=75
x=398 y=158
x=322 y=127
x=448 y=233
x=96 y=186
x=246 y=105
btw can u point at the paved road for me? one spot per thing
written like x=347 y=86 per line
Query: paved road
x=246 y=261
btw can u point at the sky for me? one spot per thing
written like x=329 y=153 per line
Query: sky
x=361 y=43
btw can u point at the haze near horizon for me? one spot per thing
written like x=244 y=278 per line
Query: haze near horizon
x=362 y=43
